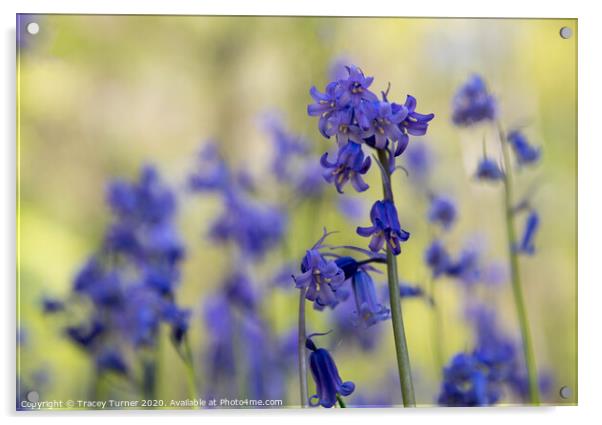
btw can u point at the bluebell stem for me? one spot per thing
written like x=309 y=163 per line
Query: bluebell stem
x=346 y=105
x=473 y=104
x=329 y=385
x=528 y=352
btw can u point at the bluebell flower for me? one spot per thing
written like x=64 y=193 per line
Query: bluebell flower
x=52 y=305
x=221 y=357
x=160 y=278
x=308 y=182
x=467 y=267
x=338 y=68
x=350 y=166
x=489 y=170
x=369 y=310
x=212 y=173
x=219 y=322
x=346 y=326
x=465 y=383
x=355 y=88
x=320 y=277
x=340 y=125
x=527 y=245
x=239 y=290
x=519 y=383
x=255 y=228
x=442 y=211
x=385 y=228
x=380 y=121
x=86 y=334
x=419 y=161
x=104 y=288
x=351 y=112
x=472 y=103
x=494 y=350
x=406 y=291
x=148 y=201
x=111 y=360
x=178 y=319
x=351 y=208
x=437 y=258
x=414 y=123
x=410 y=291
x=327 y=104
x=341 y=294
x=286 y=146
x=141 y=318
x=326 y=377
x=525 y=153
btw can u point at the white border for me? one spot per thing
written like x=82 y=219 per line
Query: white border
x=590 y=140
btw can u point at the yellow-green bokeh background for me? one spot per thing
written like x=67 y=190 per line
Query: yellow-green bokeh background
x=100 y=95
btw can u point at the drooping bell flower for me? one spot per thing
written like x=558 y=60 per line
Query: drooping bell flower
x=437 y=258
x=526 y=245
x=326 y=377
x=350 y=165
x=442 y=211
x=473 y=103
x=369 y=310
x=525 y=153
x=489 y=170
x=465 y=383
x=321 y=277
x=385 y=228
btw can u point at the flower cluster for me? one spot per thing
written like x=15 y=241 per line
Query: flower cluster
x=478 y=378
x=351 y=113
x=130 y=281
x=253 y=227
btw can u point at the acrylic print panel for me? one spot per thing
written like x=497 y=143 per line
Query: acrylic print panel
x=269 y=212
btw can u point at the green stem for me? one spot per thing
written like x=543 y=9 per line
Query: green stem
x=401 y=346
x=437 y=335
x=190 y=372
x=515 y=273
x=341 y=401
x=301 y=350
